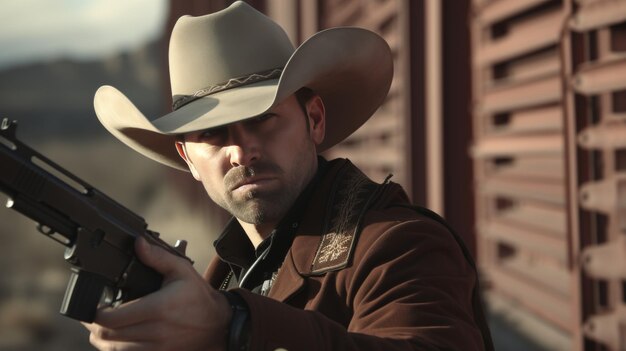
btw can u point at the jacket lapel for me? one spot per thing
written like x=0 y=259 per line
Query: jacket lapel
x=328 y=232
x=288 y=282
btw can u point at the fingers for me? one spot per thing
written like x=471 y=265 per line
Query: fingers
x=136 y=333
x=177 y=273
x=119 y=346
x=115 y=331
x=132 y=312
x=185 y=310
x=103 y=339
x=151 y=324
x=169 y=265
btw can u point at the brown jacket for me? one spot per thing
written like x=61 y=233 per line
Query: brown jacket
x=367 y=272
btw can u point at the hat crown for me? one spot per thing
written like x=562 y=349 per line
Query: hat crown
x=350 y=68
x=238 y=41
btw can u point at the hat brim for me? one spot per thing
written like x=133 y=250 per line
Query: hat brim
x=350 y=68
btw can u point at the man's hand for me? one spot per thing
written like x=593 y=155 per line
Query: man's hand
x=185 y=314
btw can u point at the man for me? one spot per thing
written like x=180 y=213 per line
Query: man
x=317 y=256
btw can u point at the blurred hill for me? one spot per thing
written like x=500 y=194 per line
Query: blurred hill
x=53 y=105
x=55 y=99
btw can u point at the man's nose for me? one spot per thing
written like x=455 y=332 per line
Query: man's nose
x=244 y=148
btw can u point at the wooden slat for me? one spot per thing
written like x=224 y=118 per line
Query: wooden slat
x=552 y=193
x=523 y=95
x=549 y=306
x=601 y=77
x=549 y=220
x=383 y=155
x=480 y=3
x=608 y=328
x=380 y=124
x=532 y=35
x=604 y=136
x=607 y=260
x=545 y=119
x=603 y=196
x=499 y=10
x=539 y=168
x=530 y=240
x=587 y=2
x=621 y=207
x=599 y=14
x=342 y=15
x=544 y=145
x=531 y=67
x=378 y=13
x=553 y=277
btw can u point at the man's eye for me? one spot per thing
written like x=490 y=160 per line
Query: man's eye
x=262 y=118
x=212 y=133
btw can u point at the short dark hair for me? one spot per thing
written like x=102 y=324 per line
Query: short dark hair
x=303 y=95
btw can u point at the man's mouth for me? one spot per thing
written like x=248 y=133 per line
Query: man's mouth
x=252 y=183
x=259 y=176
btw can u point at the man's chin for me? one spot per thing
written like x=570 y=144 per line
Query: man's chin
x=260 y=207
x=253 y=211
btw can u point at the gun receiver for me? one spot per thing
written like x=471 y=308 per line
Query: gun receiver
x=98 y=232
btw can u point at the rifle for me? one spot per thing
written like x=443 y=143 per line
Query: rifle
x=98 y=232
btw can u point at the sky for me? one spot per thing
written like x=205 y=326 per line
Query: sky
x=35 y=30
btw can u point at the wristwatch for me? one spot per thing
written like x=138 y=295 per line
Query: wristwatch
x=239 y=331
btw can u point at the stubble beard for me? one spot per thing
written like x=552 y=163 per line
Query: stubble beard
x=255 y=208
x=259 y=206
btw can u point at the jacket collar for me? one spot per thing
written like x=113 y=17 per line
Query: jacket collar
x=328 y=231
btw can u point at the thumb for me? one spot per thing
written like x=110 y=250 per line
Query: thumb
x=159 y=259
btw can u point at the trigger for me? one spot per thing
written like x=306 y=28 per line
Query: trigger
x=181 y=246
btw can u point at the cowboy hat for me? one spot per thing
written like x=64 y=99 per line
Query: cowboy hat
x=236 y=64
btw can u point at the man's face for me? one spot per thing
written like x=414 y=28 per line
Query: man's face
x=256 y=168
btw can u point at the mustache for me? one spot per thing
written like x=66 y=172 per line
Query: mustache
x=240 y=173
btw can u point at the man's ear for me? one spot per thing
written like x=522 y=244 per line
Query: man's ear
x=182 y=151
x=316 y=113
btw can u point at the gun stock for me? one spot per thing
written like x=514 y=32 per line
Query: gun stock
x=98 y=232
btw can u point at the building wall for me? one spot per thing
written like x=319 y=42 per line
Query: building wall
x=547 y=120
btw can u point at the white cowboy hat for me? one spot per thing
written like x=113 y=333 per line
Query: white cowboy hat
x=236 y=64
